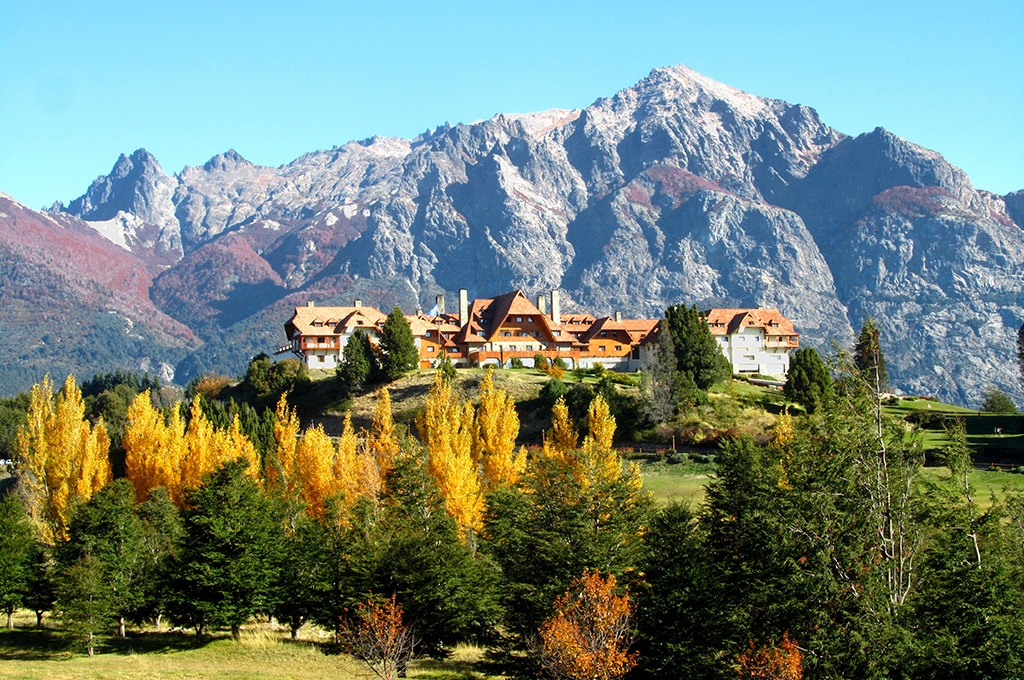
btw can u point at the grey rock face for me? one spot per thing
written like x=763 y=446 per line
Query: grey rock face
x=678 y=189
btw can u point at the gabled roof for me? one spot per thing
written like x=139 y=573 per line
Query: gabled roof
x=333 y=320
x=729 y=321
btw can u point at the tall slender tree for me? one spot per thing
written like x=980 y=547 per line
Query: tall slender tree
x=868 y=357
x=62 y=458
x=16 y=542
x=808 y=382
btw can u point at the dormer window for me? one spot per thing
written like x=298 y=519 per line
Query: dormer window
x=519 y=319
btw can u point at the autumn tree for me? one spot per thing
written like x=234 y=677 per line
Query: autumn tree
x=498 y=428
x=589 y=636
x=314 y=469
x=561 y=439
x=279 y=466
x=62 y=458
x=381 y=440
x=447 y=428
x=770 y=662
x=378 y=637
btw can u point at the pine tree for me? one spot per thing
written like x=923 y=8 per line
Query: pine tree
x=228 y=558
x=398 y=348
x=16 y=544
x=109 y=530
x=697 y=352
x=358 y=363
x=808 y=382
x=62 y=459
x=868 y=357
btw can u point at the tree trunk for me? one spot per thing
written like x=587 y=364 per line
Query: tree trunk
x=90 y=646
x=10 y=619
x=159 y=618
x=39 y=618
x=120 y=627
x=236 y=631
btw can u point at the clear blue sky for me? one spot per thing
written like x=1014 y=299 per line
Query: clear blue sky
x=83 y=82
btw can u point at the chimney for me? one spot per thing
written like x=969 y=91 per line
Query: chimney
x=556 y=309
x=618 y=317
x=440 y=304
x=309 y=303
x=357 y=303
x=542 y=304
x=463 y=306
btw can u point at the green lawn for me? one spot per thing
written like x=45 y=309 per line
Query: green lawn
x=263 y=652
x=677 y=482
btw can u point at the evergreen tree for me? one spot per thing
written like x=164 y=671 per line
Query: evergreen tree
x=398 y=348
x=997 y=401
x=697 y=352
x=42 y=588
x=107 y=531
x=162 y=537
x=16 y=543
x=84 y=600
x=868 y=357
x=358 y=363
x=809 y=382
x=229 y=555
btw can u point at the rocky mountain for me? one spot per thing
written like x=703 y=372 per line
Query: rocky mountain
x=678 y=189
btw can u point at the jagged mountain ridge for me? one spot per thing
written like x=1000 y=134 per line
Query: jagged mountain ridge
x=676 y=189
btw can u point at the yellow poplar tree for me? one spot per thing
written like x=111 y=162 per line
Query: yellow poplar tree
x=600 y=461
x=143 y=432
x=447 y=428
x=356 y=475
x=200 y=445
x=62 y=458
x=561 y=439
x=497 y=429
x=279 y=468
x=314 y=469
x=381 y=442
x=234 y=445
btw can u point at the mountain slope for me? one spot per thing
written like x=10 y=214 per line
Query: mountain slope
x=676 y=189
x=73 y=302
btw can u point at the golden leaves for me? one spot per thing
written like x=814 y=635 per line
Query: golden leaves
x=62 y=458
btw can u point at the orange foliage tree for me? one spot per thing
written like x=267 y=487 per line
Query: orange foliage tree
x=379 y=639
x=588 y=637
x=62 y=458
x=784 y=662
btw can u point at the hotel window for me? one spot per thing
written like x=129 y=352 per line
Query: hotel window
x=618 y=348
x=529 y=318
x=320 y=358
x=601 y=348
x=519 y=319
x=430 y=348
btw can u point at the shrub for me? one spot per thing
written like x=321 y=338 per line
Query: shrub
x=516 y=362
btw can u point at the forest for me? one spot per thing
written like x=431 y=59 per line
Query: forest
x=819 y=551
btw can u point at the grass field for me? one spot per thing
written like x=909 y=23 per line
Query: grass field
x=263 y=652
